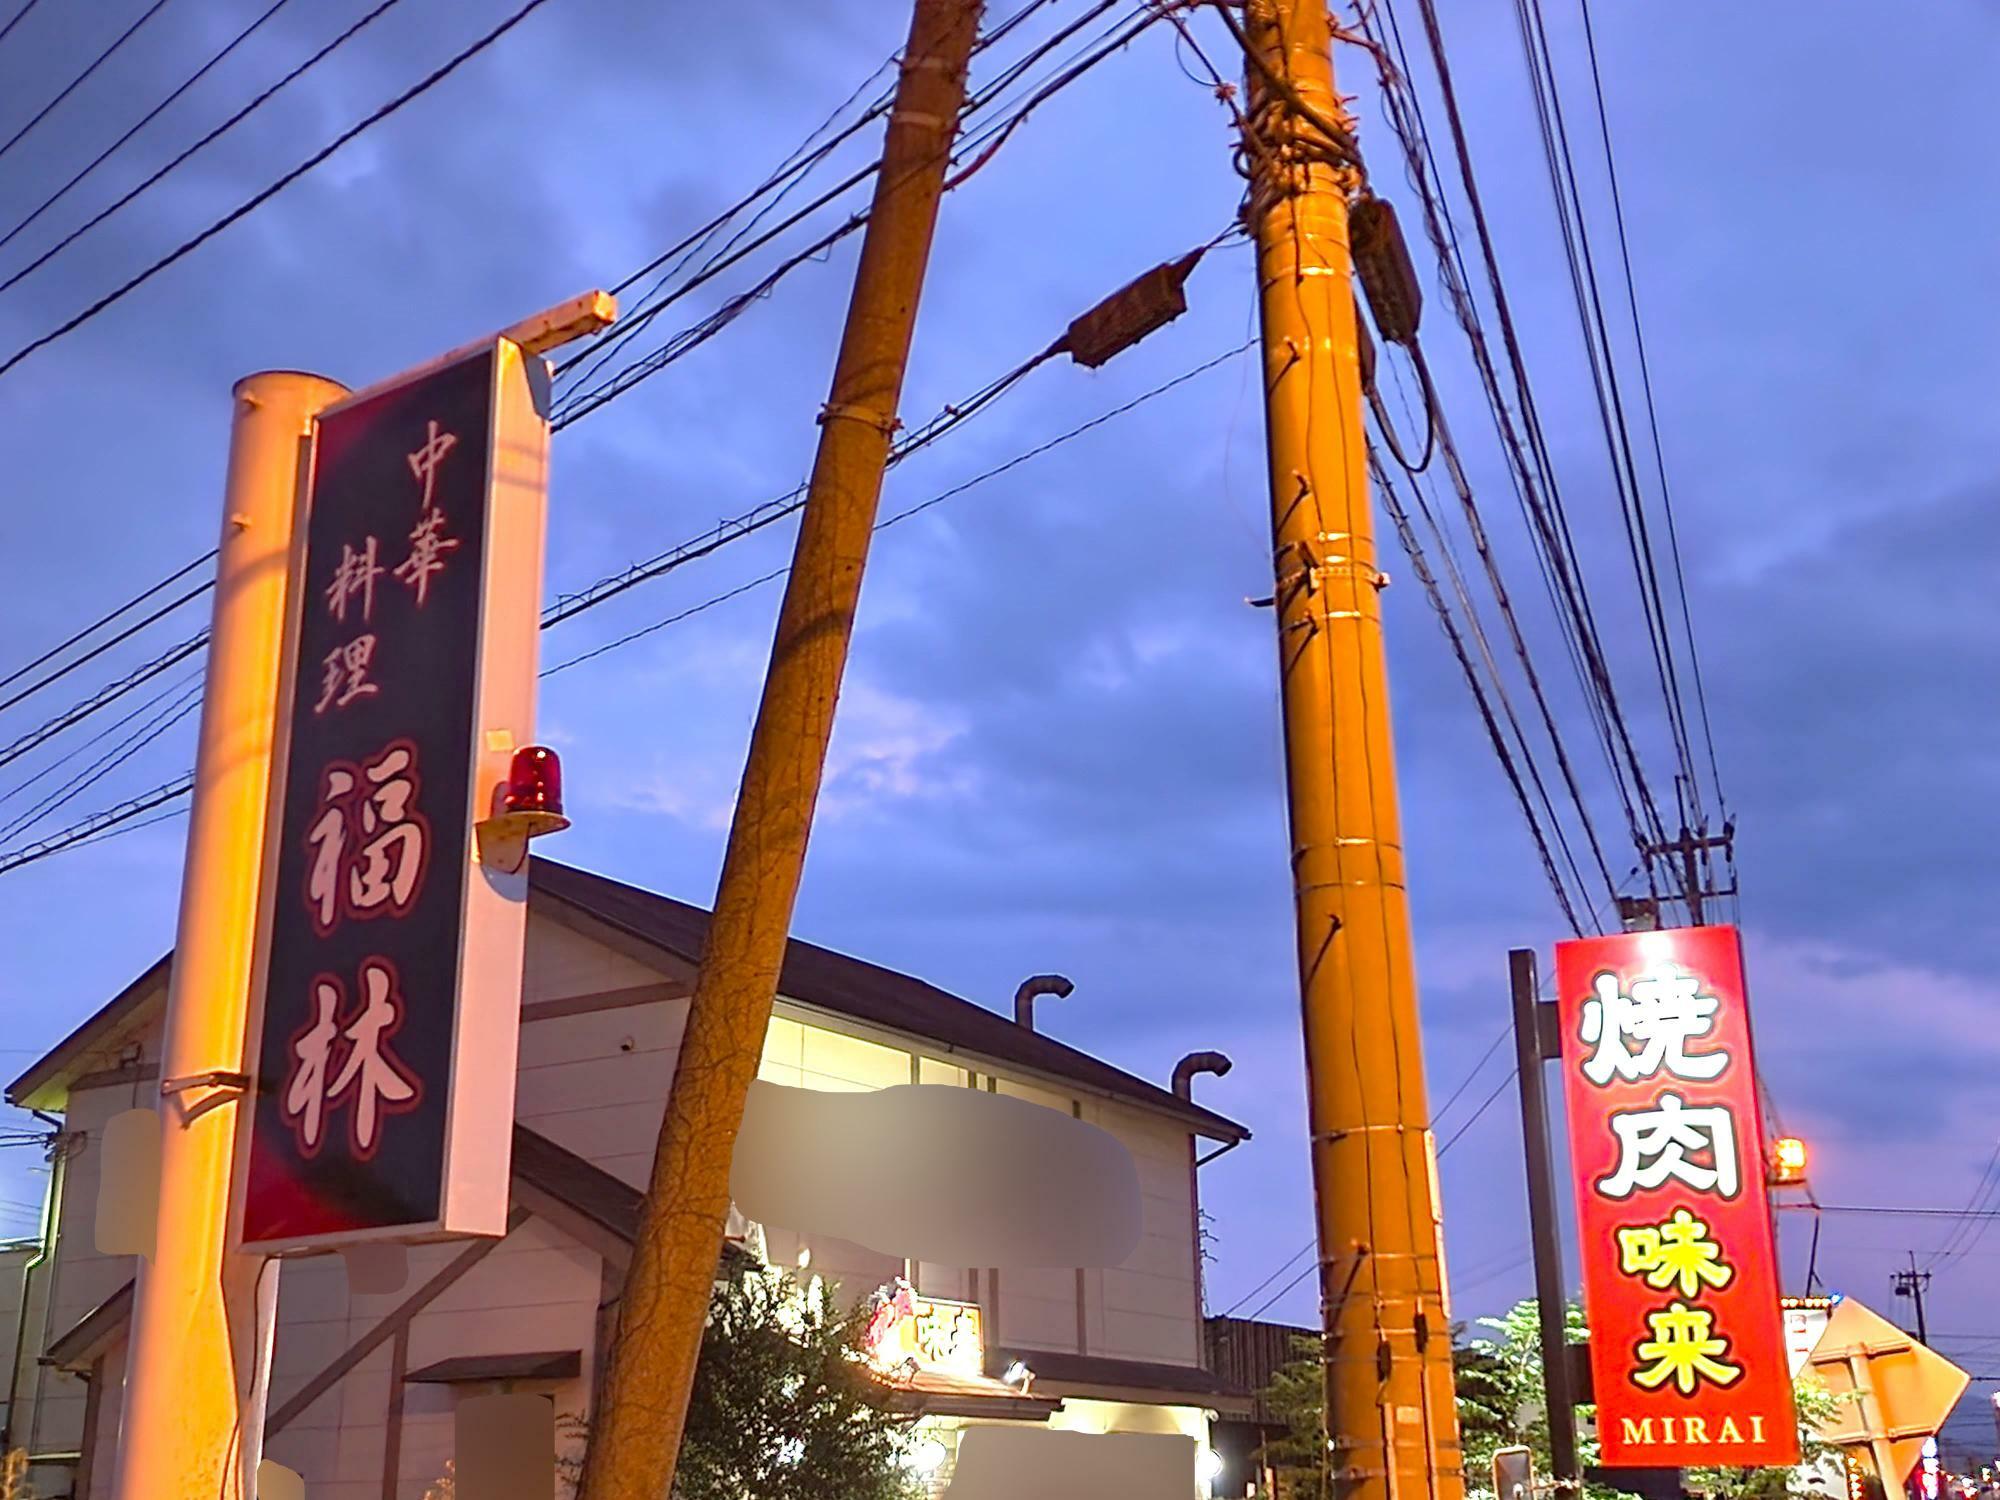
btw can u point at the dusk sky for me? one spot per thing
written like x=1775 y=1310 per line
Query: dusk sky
x=1058 y=746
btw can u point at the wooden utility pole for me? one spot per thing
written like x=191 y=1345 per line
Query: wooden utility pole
x=1392 y=1424
x=636 y=1428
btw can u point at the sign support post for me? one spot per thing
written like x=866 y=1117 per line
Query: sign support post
x=1544 y=1223
x=197 y=1363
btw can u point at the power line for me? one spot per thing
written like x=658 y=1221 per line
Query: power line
x=1983 y=1193
x=987 y=141
x=163 y=720
x=696 y=238
x=1292 y=1261
x=903 y=515
x=1309 y=1244
x=236 y=119
x=103 y=824
x=144 y=120
x=1413 y=548
x=16 y=19
x=99 y=623
x=77 y=82
x=1604 y=378
x=108 y=730
x=1529 y=467
x=1652 y=414
x=637 y=317
x=103 y=646
x=98 y=824
x=76 y=714
x=1478 y=1067
x=1894 y=1211
x=1529 y=463
x=257 y=200
x=1461 y=487
x=1485 y=1104
x=778 y=185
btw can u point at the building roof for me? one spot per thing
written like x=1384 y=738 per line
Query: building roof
x=815 y=977
x=91 y=1334
x=825 y=980
x=938 y=1393
x=467 y=1369
x=1055 y=1368
x=606 y=1201
x=538 y=1162
x=1246 y=1353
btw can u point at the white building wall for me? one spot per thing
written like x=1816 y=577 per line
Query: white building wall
x=560 y=962
x=1145 y=1309
x=82 y=1278
x=595 y=1081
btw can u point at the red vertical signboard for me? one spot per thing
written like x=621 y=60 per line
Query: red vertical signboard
x=1667 y=1144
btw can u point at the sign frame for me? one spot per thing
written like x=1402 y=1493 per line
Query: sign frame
x=473 y=1161
x=1674 y=1221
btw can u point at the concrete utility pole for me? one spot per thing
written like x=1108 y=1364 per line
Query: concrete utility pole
x=198 y=1362
x=1913 y=1284
x=1392 y=1423
x=636 y=1430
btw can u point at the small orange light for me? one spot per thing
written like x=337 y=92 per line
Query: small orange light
x=1788 y=1161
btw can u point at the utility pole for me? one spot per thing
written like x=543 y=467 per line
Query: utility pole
x=636 y=1429
x=1391 y=1417
x=1688 y=857
x=1913 y=1284
x=199 y=1357
x=1537 y=1041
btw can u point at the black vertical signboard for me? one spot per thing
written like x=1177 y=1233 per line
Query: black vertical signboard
x=367 y=886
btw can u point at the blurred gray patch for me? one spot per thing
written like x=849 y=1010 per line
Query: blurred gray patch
x=1004 y=1463
x=276 y=1482
x=128 y=1183
x=938 y=1173
x=504 y=1448
x=376 y=1269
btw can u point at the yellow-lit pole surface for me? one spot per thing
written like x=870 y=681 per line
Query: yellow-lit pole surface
x=193 y=1415
x=636 y=1430
x=1392 y=1425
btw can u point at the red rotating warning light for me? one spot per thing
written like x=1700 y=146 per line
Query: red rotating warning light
x=530 y=804
x=534 y=790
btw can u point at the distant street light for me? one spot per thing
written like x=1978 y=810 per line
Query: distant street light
x=1788 y=1162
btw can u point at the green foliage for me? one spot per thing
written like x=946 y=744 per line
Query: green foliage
x=783 y=1407
x=1501 y=1405
x=1296 y=1397
x=1818 y=1459
x=1500 y=1396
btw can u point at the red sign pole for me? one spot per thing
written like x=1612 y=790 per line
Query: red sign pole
x=1679 y=1256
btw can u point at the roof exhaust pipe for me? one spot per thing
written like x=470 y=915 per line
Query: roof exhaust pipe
x=1038 y=984
x=1197 y=1062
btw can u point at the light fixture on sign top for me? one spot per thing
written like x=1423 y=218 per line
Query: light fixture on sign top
x=1788 y=1162
x=530 y=803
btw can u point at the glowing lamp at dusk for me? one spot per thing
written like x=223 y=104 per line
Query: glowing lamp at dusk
x=1788 y=1161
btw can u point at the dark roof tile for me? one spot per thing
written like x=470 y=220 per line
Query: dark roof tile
x=867 y=992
